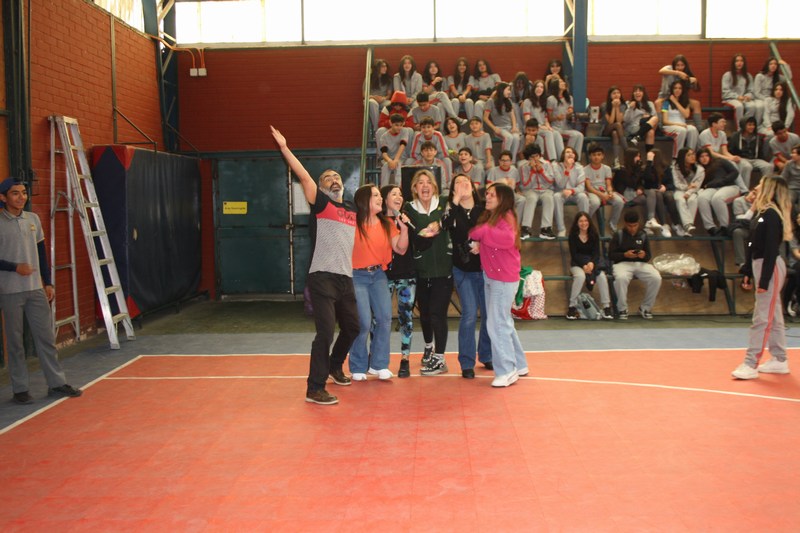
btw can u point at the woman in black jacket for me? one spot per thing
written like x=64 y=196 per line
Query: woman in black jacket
x=717 y=191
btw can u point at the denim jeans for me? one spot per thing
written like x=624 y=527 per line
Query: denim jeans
x=507 y=352
x=470 y=292
x=373 y=300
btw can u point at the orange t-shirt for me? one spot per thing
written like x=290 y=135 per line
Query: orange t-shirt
x=375 y=248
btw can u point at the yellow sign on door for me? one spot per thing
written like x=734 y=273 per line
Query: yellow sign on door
x=234 y=208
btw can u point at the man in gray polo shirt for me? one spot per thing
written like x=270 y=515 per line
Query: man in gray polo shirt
x=26 y=290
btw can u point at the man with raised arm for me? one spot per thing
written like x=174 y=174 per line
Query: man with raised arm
x=330 y=275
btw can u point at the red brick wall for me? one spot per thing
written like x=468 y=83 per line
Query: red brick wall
x=71 y=74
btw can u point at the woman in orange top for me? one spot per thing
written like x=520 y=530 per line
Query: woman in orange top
x=376 y=238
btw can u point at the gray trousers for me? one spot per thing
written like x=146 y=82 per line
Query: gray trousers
x=768 y=330
x=33 y=305
x=625 y=271
x=532 y=198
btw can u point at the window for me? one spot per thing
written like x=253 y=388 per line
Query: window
x=773 y=19
x=644 y=17
x=129 y=11
x=243 y=21
x=499 y=18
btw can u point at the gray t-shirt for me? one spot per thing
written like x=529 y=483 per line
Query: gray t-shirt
x=19 y=237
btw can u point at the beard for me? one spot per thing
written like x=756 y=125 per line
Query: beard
x=336 y=196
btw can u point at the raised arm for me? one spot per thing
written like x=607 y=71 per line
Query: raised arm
x=309 y=186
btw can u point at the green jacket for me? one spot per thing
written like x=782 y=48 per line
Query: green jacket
x=433 y=258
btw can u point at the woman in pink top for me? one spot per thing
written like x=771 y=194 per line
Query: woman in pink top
x=498 y=242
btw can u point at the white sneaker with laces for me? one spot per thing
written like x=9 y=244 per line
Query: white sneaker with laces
x=773 y=366
x=522 y=371
x=562 y=233
x=505 y=380
x=744 y=371
x=665 y=232
x=358 y=376
x=383 y=373
x=679 y=230
x=791 y=310
x=652 y=224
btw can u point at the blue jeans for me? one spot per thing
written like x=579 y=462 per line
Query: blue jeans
x=373 y=300
x=507 y=353
x=470 y=292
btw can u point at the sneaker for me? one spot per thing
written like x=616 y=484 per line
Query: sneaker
x=616 y=165
x=524 y=231
x=688 y=229
x=665 y=232
x=22 y=398
x=634 y=139
x=744 y=371
x=522 y=371
x=436 y=366
x=321 y=397
x=547 y=234
x=652 y=224
x=404 y=371
x=773 y=366
x=791 y=310
x=646 y=313
x=505 y=380
x=562 y=233
x=383 y=373
x=572 y=313
x=623 y=315
x=64 y=391
x=488 y=365
x=649 y=231
x=359 y=376
x=339 y=378
x=608 y=314
x=678 y=229
x=468 y=373
x=426 y=356
x=713 y=231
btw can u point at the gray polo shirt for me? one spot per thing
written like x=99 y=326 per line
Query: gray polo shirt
x=18 y=239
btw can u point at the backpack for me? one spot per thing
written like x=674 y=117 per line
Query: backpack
x=588 y=308
x=531 y=302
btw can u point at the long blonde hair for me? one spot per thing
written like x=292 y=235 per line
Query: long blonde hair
x=774 y=194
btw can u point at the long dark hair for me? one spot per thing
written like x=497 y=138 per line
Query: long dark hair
x=539 y=101
x=376 y=79
x=681 y=161
x=460 y=80
x=403 y=72
x=608 y=97
x=554 y=62
x=477 y=72
x=554 y=86
x=686 y=70
x=505 y=208
x=475 y=196
x=502 y=103
x=713 y=163
x=783 y=103
x=426 y=74
x=776 y=76
x=526 y=86
x=574 y=230
x=362 y=199
x=645 y=99
x=734 y=74
x=684 y=97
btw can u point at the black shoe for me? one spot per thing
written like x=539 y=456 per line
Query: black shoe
x=524 y=231
x=339 y=378
x=713 y=231
x=572 y=313
x=468 y=373
x=22 y=398
x=427 y=355
x=488 y=365
x=547 y=234
x=321 y=397
x=64 y=391
x=404 y=371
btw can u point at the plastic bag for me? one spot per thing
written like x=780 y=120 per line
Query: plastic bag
x=676 y=264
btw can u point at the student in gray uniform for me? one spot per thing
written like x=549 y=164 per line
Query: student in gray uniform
x=531 y=136
x=535 y=107
x=674 y=112
x=716 y=140
x=25 y=292
x=717 y=191
x=424 y=109
x=777 y=108
x=500 y=117
x=750 y=146
x=560 y=112
x=679 y=70
x=570 y=187
x=468 y=168
x=380 y=90
x=791 y=173
x=770 y=75
x=394 y=149
x=407 y=79
x=687 y=177
x=772 y=224
x=480 y=143
x=613 y=113
x=781 y=144
x=737 y=91
x=460 y=85
x=629 y=250
x=537 y=182
x=640 y=118
x=434 y=85
x=485 y=83
x=521 y=90
x=599 y=186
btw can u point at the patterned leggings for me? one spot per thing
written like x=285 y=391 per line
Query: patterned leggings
x=406 y=290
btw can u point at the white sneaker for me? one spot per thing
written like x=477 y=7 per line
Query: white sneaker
x=506 y=380
x=679 y=230
x=522 y=371
x=358 y=376
x=562 y=233
x=652 y=224
x=665 y=232
x=791 y=310
x=688 y=229
x=773 y=366
x=383 y=373
x=744 y=371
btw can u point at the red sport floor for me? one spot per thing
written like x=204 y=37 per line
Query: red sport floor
x=655 y=440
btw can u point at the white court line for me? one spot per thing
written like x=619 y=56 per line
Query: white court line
x=530 y=378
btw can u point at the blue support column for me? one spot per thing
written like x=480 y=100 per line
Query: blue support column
x=581 y=55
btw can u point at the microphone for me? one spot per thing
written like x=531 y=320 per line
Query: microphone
x=396 y=214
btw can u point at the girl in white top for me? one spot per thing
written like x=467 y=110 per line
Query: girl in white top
x=687 y=177
x=778 y=107
x=769 y=76
x=500 y=117
x=485 y=83
x=454 y=139
x=536 y=107
x=559 y=112
x=380 y=90
x=679 y=70
x=435 y=85
x=737 y=91
x=640 y=118
x=407 y=79
x=460 y=86
x=674 y=112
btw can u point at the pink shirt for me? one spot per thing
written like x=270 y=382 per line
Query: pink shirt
x=500 y=258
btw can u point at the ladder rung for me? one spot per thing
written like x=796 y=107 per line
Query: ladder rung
x=85 y=176
x=104 y=262
x=65 y=321
x=97 y=233
x=112 y=289
x=65 y=266
x=119 y=318
x=91 y=204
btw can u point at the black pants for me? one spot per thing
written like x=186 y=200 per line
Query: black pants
x=334 y=300
x=433 y=298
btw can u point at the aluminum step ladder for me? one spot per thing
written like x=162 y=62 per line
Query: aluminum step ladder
x=101 y=257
